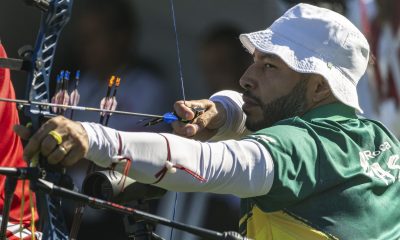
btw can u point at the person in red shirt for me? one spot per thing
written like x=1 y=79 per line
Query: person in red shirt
x=11 y=151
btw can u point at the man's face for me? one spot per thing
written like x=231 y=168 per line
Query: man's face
x=273 y=91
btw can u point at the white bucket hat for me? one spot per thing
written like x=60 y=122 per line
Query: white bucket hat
x=311 y=39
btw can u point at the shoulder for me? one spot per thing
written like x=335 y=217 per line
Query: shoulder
x=284 y=132
x=294 y=152
x=290 y=143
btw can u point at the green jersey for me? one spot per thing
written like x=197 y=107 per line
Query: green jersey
x=336 y=176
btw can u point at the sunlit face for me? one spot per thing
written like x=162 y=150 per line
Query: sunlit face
x=273 y=91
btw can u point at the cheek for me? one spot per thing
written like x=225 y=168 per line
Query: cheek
x=269 y=92
x=277 y=86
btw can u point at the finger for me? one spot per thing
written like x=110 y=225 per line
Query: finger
x=179 y=128
x=204 y=119
x=22 y=131
x=73 y=156
x=183 y=110
x=58 y=155
x=202 y=106
x=213 y=118
x=185 y=129
x=48 y=145
x=192 y=129
x=35 y=141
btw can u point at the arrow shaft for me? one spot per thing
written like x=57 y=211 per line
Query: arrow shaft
x=79 y=108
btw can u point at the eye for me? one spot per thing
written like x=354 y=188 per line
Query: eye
x=269 y=65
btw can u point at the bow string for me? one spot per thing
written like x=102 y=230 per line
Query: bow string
x=55 y=15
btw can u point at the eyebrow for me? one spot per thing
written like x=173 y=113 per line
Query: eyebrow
x=268 y=55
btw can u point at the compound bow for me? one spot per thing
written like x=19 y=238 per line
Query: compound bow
x=55 y=15
x=39 y=62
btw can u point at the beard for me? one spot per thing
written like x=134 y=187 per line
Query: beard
x=290 y=105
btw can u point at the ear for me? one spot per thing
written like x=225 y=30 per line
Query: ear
x=319 y=89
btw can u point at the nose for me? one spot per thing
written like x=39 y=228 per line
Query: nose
x=247 y=81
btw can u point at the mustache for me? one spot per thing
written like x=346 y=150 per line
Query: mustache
x=248 y=94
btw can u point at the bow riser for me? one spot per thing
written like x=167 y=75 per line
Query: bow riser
x=54 y=18
x=38 y=85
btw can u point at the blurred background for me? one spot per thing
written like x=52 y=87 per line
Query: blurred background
x=135 y=40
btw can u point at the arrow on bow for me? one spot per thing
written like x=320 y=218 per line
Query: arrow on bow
x=42 y=107
x=55 y=16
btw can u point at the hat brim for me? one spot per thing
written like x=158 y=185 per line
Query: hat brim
x=304 y=60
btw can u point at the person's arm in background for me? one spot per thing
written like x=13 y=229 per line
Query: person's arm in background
x=11 y=151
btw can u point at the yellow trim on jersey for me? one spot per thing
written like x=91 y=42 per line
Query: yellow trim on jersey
x=243 y=219
x=279 y=225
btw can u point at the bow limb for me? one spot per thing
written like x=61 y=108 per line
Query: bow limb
x=54 y=17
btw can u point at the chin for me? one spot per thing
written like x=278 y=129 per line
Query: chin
x=255 y=125
x=256 y=121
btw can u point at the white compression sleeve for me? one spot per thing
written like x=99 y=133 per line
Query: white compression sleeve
x=243 y=168
x=234 y=127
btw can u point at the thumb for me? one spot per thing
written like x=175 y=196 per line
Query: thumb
x=22 y=131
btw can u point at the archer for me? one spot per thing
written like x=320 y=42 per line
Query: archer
x=300 y=173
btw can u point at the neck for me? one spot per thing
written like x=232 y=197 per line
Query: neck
x=328 y=100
